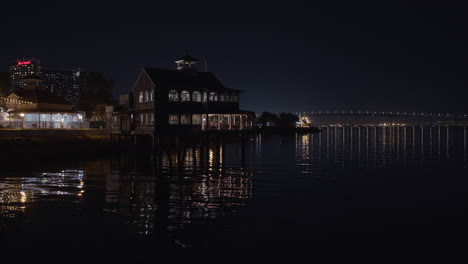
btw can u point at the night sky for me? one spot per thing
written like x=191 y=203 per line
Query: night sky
x=291 y=56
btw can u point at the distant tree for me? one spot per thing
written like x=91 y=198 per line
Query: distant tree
x=4 y=89
x=96 y=95
x=267 y=118
x=287 y=120
x=282 y=120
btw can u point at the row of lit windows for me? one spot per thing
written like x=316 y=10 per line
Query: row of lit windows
x=146 y=119
x=145 y=97
x=22 y=72
x=195 y=119
x=199 y=97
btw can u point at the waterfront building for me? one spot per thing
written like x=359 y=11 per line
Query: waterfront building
x=165 y=101
x=66 y=83
x=21 y=68
x=33 y=106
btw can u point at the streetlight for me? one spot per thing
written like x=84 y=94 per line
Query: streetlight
x=22 y=120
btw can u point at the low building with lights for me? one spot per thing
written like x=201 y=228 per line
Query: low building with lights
x=32 y=106
x=165 y=101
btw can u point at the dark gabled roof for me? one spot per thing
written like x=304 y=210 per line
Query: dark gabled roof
x=190 y=80
x=188 y=58
x=35 y=94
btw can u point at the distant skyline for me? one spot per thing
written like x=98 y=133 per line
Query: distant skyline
x=293 y=57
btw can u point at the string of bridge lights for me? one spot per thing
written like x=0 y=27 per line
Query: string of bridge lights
x=382 y=113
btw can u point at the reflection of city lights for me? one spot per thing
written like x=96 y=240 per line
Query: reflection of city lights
x=24 y=197
x=210 y=158
x=14 y=198
x=220 y=156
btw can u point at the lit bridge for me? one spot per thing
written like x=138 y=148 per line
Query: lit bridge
x=372 y=118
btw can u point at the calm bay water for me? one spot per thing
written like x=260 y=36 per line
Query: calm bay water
x=372 y=189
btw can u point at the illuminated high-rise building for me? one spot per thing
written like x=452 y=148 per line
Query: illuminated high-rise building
x=65 y=83
x=21 y=68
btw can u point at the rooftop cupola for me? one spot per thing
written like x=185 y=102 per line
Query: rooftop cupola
x=187 y=62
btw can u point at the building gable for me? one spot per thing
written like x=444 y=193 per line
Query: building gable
x=13 y=96
x=144 y=92
x=143 y=77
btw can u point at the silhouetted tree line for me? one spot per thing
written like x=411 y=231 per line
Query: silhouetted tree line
x=96 y=94
x=4 y=89
x=281 y=120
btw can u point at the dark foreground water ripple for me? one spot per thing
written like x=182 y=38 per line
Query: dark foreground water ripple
x=366 y=190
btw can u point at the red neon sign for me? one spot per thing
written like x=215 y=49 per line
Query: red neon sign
x=24 y=62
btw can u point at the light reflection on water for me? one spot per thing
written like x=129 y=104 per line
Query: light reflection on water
x=17 y=192
x=181 y=192
x=382 y=146
x=194 y=186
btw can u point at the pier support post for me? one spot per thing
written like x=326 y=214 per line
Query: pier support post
x=243 y=142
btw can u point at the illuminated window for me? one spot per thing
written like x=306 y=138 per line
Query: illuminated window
x=196 y=119
x=185 y=96
x=185 y=119
x=173 y=119
x=196 y=96
x=140 y=97
x=173 y=96
x=205 y=97
x=213 y=120
x=224 y=97
x=146 y=96
x=213 y=97
x=142 y=119
x=151 y=96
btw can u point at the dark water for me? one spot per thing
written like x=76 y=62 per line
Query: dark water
x=384 y=191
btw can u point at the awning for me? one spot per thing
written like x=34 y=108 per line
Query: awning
x=43 y=111
x=15 y=116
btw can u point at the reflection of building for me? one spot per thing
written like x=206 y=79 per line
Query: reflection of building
x=34 y=107
x=188 y=188
x=167 y=101
x=64 y=83
x=19 y=69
